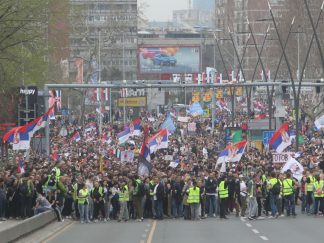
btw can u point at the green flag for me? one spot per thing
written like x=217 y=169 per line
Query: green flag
x=237 y=136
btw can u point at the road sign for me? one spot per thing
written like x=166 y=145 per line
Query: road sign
x=267 y=136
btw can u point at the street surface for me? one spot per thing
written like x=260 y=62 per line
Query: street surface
x=300 y=230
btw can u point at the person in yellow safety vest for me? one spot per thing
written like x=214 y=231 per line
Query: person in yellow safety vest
x=98 y=197
x=223 y=196
x=194 y=200
x=289 y=194
x=54 y=177
x=152 y=186
x=83 y=203
x=309 y=191
x=318 y=194
x=274 y=188
x=76 y=188
x=123 y=200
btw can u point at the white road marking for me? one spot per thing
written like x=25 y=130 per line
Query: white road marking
x=255 y=231
x=248 y=225
x=264 y=238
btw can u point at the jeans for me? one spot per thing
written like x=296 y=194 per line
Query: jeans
x=318 y=203
x=210 y=204
x=40 y=210
x=84 y=212
x=159 y=209
x=290 y=204
x=303 y=203
x=273 y=204
x=309 y=202
x=253 y=207
x=194 y=207
x=176 y=208
x=123 y=214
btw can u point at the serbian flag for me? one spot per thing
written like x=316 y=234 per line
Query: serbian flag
x=106 y=139
x=76 y=137
x=232 y=153
x=158 y=141
x=135 y=128
x=281 y=139
x=123 y=136
x=20 y=167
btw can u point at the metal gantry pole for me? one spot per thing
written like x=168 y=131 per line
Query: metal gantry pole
x=99 y=79
x=124 y=80
x=315 y=31
x=47 y=132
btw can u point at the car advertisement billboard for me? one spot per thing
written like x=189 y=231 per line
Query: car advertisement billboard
x=175 y=59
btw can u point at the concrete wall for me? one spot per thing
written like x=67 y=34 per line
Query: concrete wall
x=27 y=226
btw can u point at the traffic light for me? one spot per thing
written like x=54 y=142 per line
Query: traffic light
x=318 y=88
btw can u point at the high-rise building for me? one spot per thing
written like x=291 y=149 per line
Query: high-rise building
x=204 y=5
x=105 y=31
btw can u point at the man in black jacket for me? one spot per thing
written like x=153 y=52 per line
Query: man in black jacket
x=159 y=196
x=210 y=187
x=176 y=198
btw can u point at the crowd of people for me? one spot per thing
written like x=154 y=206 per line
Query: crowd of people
x=87 y=180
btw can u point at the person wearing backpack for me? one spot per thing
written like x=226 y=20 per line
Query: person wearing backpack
x=26 y=190
x=274 y=191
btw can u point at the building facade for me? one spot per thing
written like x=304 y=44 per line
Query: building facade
x=105 y=32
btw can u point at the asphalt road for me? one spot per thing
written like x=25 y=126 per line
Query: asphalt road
x=235 y=230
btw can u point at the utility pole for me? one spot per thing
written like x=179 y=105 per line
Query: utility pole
x=124 y=80
x=99 y=80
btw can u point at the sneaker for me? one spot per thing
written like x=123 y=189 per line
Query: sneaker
x=251 y=218
x=270 y=217
x=277 y=215
x=95 y=221
x=82 y=222
x=282 y=215
x=108 y=219
x=88 y=222
x=260 y=218
x=142 y=219
x=139 y=220
x=105 y=220
x=214 y=215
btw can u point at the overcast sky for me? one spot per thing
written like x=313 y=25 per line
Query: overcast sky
x=161 y=10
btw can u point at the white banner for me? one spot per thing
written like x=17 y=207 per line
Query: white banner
x=192 y=127
x=183 y=118
x=281 y=158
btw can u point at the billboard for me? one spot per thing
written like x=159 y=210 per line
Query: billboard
x=132 y=102
x=171 y=59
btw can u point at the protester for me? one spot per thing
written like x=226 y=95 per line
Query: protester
x=97 y=178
